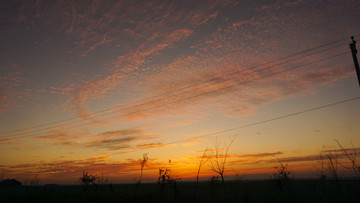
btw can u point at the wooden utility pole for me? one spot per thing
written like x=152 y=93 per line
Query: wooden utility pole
x=353 y=52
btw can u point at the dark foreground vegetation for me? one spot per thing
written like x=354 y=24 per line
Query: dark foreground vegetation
x=213 y=191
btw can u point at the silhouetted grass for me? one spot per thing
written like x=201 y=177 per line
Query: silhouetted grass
x=243 y=191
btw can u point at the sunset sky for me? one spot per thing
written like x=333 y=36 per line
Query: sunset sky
x=93 y=85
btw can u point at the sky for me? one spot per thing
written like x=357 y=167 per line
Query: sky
x=94 y=85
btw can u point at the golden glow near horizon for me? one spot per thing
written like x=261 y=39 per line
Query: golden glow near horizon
x=93 y=86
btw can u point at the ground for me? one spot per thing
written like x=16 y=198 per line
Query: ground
x=234 y=191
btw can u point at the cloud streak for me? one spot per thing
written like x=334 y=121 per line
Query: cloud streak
x=109 y=140
x=154 y=37
x=12 y=81
x=163 y=31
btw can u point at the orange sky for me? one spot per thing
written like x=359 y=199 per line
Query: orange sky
x=93 y=85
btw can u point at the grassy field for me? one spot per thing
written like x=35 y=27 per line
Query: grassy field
x=240 y=191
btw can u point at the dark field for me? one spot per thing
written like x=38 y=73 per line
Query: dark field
x=243 y=191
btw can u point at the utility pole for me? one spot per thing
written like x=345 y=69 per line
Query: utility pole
x=353 y=52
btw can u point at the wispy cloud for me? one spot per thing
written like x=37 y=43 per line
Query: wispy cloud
x=259 y=155
x=144 y=38
x=124 y=139
x=4 y=141
x=154 y=31
x=59 y=135
x=180 y=124
x=153 y=145
x=339 y=153
x=109 y=140
x=232 y=49
x=12 y=81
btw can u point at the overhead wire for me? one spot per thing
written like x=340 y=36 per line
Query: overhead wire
x=252 y=124
x=165 y=93
x=197 y=95
x=163 y=104
x=244 y=82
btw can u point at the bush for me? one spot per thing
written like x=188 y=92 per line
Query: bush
x=88 y=179
x=281 y=175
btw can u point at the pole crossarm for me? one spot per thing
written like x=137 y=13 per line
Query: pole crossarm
x=354 y=52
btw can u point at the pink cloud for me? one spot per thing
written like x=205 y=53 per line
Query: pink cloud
x=12 y=90
x=94 y=89
x=148 y=38
x=220 y=50
x=97 y=44
x=147 y=32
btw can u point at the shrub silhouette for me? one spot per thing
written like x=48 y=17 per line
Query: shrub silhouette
x=88 y=179
x=281 y=172
x=321 y=169
x=281 y=175
x=35 y=180
x=214 y=182
x=351 y=155
x=32 y=180
x=143 y=163
x=166 y=178
x=218 y=161
x=204 y=158
x=332 y=165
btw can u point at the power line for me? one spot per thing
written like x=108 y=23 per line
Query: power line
x=255 y=123
x=243 y=82
x=213 y=79
x=197 y=95
x=19 y=136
